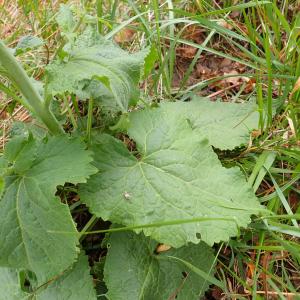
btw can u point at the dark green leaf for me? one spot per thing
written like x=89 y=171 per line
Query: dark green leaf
x=133 y=269
x=74 y=283
x=31 y=217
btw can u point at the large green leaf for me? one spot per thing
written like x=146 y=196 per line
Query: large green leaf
x=133 y=270
x=30 y=214
x=96 y=67
x=226 y=125
x=174 y=176
x=10 y=285
x=75 y=283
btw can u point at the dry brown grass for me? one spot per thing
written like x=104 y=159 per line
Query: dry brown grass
x=12 y=21
x=6 y=120
x=14 y=24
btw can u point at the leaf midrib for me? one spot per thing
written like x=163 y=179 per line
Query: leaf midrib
x=21 y=179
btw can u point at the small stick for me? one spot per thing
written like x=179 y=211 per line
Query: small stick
x=223 y=90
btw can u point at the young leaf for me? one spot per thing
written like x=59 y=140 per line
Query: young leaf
x=65 y=19
x=175 y=176
x=226 y=125
x=145 y=274
x=94 y=60
x=30 y=214
x=75 y=283
x=150 y=61
x=27 y=43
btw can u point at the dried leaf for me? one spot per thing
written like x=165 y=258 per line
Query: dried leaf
x=224 y=24
x=124 y=36
x=296 y=87
x=162 y=248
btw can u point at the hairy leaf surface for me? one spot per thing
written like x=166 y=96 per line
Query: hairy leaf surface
x=30 y=214
x=174 y=176
x=134 y=271
x=226 y=125
x=97 y=67
x=65 y=19
x=27 y=43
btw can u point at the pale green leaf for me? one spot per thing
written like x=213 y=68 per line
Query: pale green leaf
x=27 y=43
x=98 y=62
x=174 y=176
x=30 y=214
x=226 y=125
x=20 y=152
x=150 y=61
x=10 y=286
x=14 y=147
x=133 y=270
x=65 y=19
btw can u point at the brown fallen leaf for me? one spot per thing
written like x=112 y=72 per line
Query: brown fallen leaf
x=292 y=127
x=223 y=23
x=232 y=80
x=194 y=33
x=295 y=88
x=162 y=248
x=226 y=62
x=256 y=133
x=124 y=36
x=294 y=200
x=202 y=70
x=186 y=52
x=250 y=85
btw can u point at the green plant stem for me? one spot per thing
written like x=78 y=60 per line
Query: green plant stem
x=89 y=120
x=18 y=75
x=99 y=15
x=89 y=225
x=72 y=118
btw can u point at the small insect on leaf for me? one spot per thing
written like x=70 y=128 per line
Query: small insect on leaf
x=126 y=196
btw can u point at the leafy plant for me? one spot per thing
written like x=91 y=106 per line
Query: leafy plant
x=95 y=67
x=171 y=185
x=147 y=274
x=30 y=211
x=175 y=176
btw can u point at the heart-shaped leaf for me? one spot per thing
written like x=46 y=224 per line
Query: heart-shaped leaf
x=175 y=175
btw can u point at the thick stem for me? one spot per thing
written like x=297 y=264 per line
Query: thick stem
x=18 y=75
